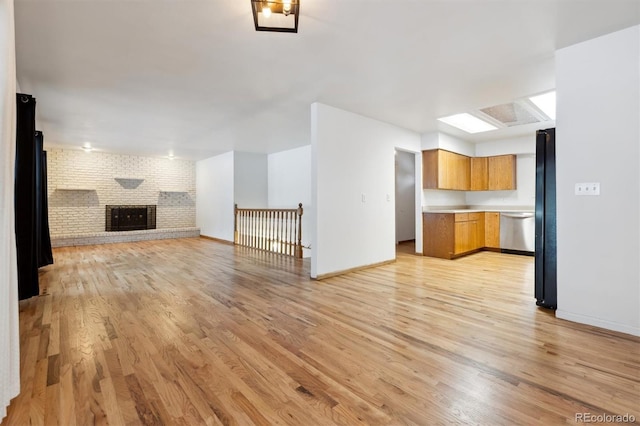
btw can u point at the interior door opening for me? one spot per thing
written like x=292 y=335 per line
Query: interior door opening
x=405 y=200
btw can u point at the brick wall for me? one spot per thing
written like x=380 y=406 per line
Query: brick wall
x=96 y=179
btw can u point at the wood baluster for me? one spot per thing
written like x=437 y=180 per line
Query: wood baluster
x=287 y=233
x=274 y=245
x=270 y=231
x=263 y=229
x=254 y=233
x=244 y=228
x=273 y=231
x=299 y=245
x=295 y=236
x=289 y=237
x=259 y=220
x=263 y=221
x=285 y=219
x=279 y=237
x=235 y=223
x=266 y=230
x=240 y=227
x=240 y=215
x=274 y=226
x=292 y=233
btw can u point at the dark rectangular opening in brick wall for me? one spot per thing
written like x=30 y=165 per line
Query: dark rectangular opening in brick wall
x=130 y=218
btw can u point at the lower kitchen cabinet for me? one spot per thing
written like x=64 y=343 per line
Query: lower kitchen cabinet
x=448 y=235
x=438 y=235
x=492 y=230
x=468 y=232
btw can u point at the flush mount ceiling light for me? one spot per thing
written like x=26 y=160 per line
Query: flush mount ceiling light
x=546 y=102
x=276 y=15
x=86 y=147
x=468 y=123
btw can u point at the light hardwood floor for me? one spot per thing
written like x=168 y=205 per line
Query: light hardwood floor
x=192 y=331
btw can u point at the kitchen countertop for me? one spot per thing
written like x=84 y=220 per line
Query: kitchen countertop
x=504 y=209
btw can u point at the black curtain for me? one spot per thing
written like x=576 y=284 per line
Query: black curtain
x=43 y=240
x=33 y=242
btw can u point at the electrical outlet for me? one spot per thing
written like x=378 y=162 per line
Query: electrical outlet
x=589 y=188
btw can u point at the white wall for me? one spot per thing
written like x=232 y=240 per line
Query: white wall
x=405 y=196
x=289 y=182
x=250 y=180
x=519 y=145
x=597 y=140
x=439 y=140
x=9 y=332
x=453 y=144
x=352 y=160
x=438 y=198
x=215 y=202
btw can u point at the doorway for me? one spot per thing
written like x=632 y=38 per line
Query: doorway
x=405 y=200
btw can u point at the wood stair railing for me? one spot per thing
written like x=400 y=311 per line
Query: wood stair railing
x=275 y=230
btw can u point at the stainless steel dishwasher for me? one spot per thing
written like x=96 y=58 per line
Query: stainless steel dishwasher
x=517 y=232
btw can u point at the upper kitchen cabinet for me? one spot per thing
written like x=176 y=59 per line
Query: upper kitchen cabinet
x=479 y=173
x=502 y=172
x=445 y=170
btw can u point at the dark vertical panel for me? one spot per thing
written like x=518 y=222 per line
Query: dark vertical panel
x=546 y=246
x=43 y=237
x=25 y=198
x=550 y=245
x=541 y=137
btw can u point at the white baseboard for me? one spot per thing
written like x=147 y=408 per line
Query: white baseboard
x=598 y=322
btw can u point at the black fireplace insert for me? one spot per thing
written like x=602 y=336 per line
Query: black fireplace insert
x=130 y=218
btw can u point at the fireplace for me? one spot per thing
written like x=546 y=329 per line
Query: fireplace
x=130 y=218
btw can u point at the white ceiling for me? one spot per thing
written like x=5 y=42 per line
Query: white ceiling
x=149 y=76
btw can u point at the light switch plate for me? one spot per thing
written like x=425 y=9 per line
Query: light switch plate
x=588 y=188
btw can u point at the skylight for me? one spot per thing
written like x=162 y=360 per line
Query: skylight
x=468 y=123
x=547 y=103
